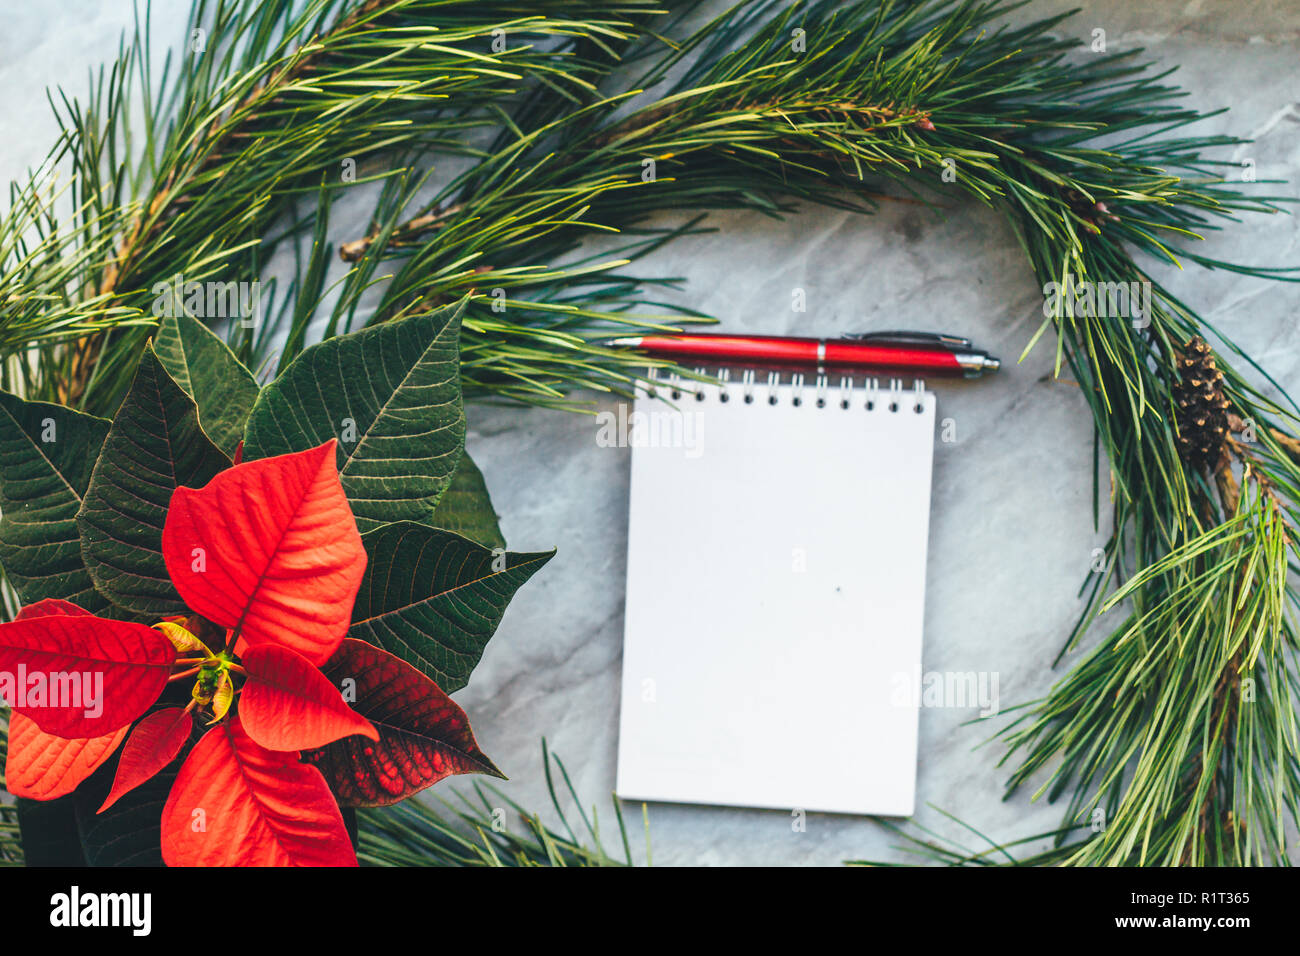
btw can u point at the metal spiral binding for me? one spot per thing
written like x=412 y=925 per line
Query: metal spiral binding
x=794 y=389
x=773 y=385
x=823 y=383
x=724 y=385
x=872 y=387
x=698 y=386
x=846 y=391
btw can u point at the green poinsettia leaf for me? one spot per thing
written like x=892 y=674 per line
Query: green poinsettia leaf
x=154 y=446
x=434 y=598
x=203 y=365
x=391 y=396
x=46 y=456
x=466 y=507
x=49 y=832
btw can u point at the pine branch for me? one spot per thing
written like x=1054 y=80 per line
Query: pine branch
x=753 y=125
x=11 y=845
x=265 y=113
x=477 y=832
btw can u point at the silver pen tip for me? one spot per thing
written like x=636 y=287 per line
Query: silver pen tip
x=991 y=364
x=630 y=342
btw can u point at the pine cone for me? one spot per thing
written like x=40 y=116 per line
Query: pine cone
x=1202 y=408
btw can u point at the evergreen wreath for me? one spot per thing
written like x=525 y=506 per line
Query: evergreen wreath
x=578 y=119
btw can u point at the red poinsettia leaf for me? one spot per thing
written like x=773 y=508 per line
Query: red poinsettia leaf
x=78 y=675
x=423 y=735
x=287 y=704
x=235 y=803
x=48 y=607
x=154 y=744
x=269 y=548
x=40 y=766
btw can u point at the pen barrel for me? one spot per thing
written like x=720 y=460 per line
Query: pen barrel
x=836 y=354
x=733 y=349
x=848 y=355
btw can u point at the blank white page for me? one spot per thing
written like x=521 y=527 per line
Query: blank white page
x=775 y=593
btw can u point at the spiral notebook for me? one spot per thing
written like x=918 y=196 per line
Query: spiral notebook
x=775 y=593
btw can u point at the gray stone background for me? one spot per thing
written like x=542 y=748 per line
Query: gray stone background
x=1011 y=533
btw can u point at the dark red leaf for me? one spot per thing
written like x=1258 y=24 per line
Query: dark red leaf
x=270 y=548
x=423 y=735
x=154 y=744
x=287 y=704
x=235 y=803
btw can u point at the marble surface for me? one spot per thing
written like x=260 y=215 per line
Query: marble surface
x=1011 y=534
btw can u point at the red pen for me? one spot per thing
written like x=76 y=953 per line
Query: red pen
x=925 y=353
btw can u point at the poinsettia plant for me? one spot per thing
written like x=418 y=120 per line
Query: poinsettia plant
x=233 y=650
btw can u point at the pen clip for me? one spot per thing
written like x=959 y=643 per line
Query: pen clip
x=914 y=338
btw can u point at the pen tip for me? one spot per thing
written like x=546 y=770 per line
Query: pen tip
x=629 y=342
x=991 y=364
